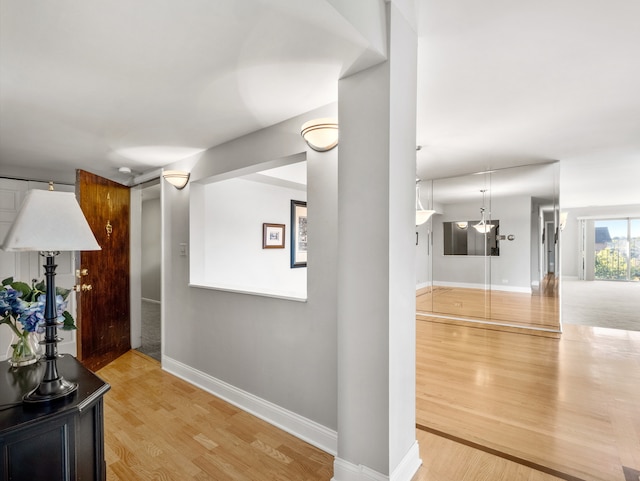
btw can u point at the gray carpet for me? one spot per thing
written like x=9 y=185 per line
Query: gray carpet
x=150 y=329
x=611 y=304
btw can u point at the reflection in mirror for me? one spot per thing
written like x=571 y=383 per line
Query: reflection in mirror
x=471 y=238
x=508 y=276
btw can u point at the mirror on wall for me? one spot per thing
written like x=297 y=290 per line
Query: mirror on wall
x=471 y=238
x=490 y=252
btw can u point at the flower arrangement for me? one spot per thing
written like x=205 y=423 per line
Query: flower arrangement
x=22 y=309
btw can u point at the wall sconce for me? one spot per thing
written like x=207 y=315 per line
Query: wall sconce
x=177 y=178
x=462 y=225
x=563 y=219
x=320 y=134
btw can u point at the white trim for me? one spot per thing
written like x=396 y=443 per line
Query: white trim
x=493 y=287
x=346 y=471
x=409 y=465
x=299 y=426
x=152 y=301
x=487 y=321
x=287 y=296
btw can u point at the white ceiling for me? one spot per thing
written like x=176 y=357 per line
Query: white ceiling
x=111 y=83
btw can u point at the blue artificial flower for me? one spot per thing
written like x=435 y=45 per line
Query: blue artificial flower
x=61 y=305
x=30 y=313
x=10 y=302
x=4 y=303
x=32 y=318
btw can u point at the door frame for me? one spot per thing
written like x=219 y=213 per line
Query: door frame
x=135 y=268
x=135 y=232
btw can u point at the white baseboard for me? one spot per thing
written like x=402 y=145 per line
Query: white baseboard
x=409 y=465
x=299 y=426
x=346 y=471
x=493 y=287
x=152 y=301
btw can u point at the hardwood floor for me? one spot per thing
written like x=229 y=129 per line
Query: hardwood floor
x=159 y=427
x=446 y=460
x=491 y=406
x=565 y=406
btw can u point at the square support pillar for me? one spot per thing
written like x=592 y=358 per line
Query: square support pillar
x=376 y=273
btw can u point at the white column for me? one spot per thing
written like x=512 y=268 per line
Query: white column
x=376 y=277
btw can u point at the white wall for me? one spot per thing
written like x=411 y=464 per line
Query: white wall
x=511 y=270
x=150 y=259
x=229 y=216
x=279 y=351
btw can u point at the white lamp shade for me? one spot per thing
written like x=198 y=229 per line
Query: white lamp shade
x=483 y=228
x=320 y=134
x=50 y=221
x=177 y=178
x=423 y=216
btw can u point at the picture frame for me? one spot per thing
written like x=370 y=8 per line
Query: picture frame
x=273 y=236
x=298 y=234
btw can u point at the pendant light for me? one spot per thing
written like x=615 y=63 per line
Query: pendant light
x=482 y=226
x=422 y=214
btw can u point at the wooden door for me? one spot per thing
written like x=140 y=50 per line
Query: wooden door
x=103 y=311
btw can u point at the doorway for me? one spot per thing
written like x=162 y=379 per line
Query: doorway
x=150 y=275
x=604 y=292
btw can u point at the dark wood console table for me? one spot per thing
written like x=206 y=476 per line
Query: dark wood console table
x=62 y=440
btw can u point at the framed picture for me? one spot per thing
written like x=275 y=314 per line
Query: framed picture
x=298 y=233
x=273 y=236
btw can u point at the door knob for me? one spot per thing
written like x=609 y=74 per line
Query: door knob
x=83 y=287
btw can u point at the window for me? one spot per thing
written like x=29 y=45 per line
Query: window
x=617 y=249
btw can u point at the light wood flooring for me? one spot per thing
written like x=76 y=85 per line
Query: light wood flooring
x=159 y=427
x=569 y=407
x=491 y=406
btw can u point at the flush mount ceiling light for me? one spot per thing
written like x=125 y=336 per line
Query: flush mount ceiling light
x=320 y=134
x=482 y=226
x=422 y=214
x=177 y=178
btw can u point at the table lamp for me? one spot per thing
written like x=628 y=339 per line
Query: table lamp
x=50 y=222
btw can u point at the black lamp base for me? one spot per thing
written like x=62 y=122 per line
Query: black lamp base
x=50 y=390
x=53 y=385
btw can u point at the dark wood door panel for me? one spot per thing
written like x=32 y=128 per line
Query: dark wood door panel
x=103 y=315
